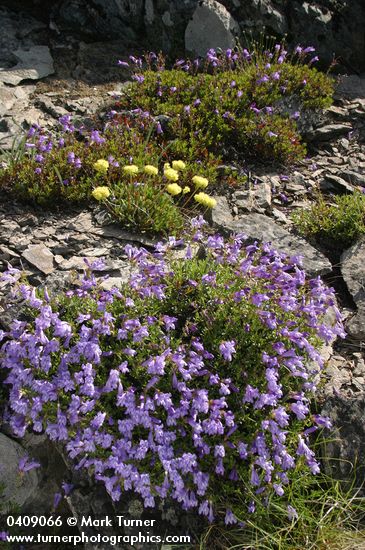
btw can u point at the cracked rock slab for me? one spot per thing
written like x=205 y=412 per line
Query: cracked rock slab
x=40 y=257
x=34 y=63
x=353 y=272
x=262 y=228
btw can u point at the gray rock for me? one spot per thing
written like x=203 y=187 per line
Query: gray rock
x=34 y=63
x=51 y=474
x=262 y=195
x=19 y=487
x=96 y=252
x=121 y=234
x=359 y=369
x=243 y=199
x=77 y=263
x=280 y=216
x=255 y=199
x=290 y=106
x=355 y=178
x=49 y=107
x=82 y=223
x=40 y=257
x=221 y=214
x=57 y=282
x=262 y=228
x=149 y=12
x=326 y=133
x=7 y=253
x=337 y=375
x=338 y=112
x=211 y=26
x=345 y=446
x=112 y=282
x=7 y=99
x=350 y=87
x=353 y=272
x=336 y=184
x=99 y=18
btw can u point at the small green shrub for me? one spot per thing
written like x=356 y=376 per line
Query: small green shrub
x=145 y=207
x=70 y=167
x=341 y=222
x=229 y=103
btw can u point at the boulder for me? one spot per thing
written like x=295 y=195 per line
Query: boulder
x=99 y=18
x=212 y=26
x=353 y=272
x=33 y=63
x=16 y=487
x=346 y=442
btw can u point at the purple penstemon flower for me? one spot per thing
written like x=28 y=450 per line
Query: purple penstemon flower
x=25 y=464
x=227 y=349
x=56 y=500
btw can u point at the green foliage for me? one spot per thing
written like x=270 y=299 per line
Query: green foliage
x=327 y=517
x=232 y=108
x=145 y=207
x=140 y=202
x=341 y=221
x=228 y=112
x=60 y=181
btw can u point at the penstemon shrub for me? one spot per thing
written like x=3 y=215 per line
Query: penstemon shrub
x=191 y=382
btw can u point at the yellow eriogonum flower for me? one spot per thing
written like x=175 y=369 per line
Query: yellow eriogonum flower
x=171 y=174
x=101 y=193
x=186 y=190
x=151 y=170
x=173 y=189
x=101 y=166
x=200 y=182
x=131 y=169
x=205 y=200
x=166 y=165
x=178 y=165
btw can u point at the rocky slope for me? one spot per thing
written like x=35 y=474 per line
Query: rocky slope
x=80 y=78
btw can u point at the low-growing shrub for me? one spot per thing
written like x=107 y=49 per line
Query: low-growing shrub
x=341 y=222
x=224 y=107
x=75 y=165
x=191 y=382
x=230 y=101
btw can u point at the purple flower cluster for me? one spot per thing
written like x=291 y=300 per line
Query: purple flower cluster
x=228 y=60
x=192 y=380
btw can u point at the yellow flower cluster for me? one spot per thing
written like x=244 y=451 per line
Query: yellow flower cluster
x=171 y=174
x=101 y=193
x=101 y=166
x=205 y=200
x=200 y=182
x=178 y=165
x=151 y=170
x=131 y=169
x=186 y=190
x=173 y=189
